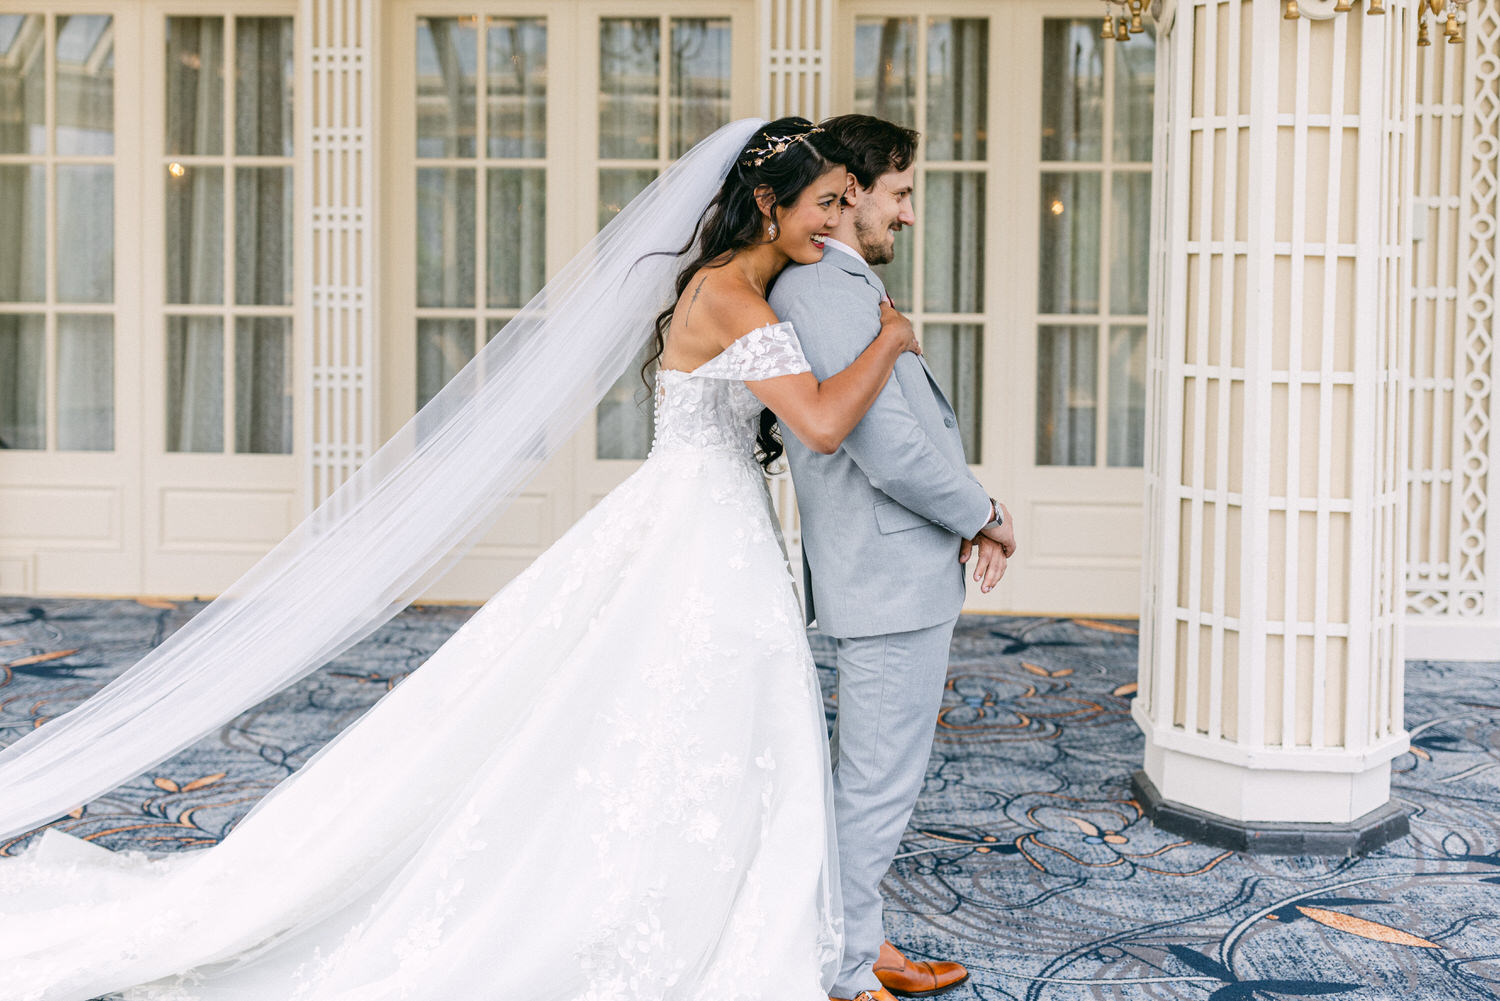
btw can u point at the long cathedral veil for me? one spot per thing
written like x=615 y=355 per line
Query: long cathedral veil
x=384 y=536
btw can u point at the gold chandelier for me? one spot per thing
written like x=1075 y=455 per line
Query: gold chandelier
x=1119 y=27
x=1449 y=12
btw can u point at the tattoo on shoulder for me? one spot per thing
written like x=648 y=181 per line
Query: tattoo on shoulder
x=694 y=300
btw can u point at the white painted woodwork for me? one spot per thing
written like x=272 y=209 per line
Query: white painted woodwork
x=1271 y=666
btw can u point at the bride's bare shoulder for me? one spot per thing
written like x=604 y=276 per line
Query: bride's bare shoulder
x=718 y=306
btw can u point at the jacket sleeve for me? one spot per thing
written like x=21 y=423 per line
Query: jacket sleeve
x=836 y=320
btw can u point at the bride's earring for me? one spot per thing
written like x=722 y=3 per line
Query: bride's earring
x=771 y=232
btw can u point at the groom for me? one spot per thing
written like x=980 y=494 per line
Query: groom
x=886 y=522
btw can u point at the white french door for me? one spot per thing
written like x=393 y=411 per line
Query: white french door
x=1026 y=271
x=515 y=132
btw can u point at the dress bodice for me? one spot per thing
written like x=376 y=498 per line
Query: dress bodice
x=711 y=408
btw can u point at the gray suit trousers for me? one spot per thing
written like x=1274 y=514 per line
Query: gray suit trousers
x=889 y=690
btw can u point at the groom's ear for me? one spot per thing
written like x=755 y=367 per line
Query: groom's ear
x=851 y=191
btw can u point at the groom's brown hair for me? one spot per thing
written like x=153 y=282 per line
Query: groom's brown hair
x=869 y=146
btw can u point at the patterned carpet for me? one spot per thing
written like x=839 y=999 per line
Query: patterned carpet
x=1027 y=857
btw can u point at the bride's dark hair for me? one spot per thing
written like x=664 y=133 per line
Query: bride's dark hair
x=732 y=222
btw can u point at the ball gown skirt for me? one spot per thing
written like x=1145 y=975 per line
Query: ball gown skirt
x=611 y=784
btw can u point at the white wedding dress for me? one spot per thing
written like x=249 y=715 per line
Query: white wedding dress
x=611 y=784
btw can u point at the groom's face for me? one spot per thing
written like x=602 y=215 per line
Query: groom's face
x=880 y=211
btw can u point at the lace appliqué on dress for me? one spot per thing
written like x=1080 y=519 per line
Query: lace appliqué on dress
x=764 y=353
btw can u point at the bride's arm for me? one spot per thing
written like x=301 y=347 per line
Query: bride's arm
x=821 y=414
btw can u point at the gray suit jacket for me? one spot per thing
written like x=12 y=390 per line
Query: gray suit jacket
x=883 y=516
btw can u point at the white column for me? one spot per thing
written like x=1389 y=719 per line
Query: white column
x=1271 y=667
x=336 y=198
x=1452 y=578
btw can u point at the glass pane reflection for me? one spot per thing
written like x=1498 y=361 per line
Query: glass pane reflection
x=1135 y=96
x=86 y=383
x=263 y=236
x=263 y=70
x=195 y=384
x=516 y=75
x=445 y=236
x=629 y=73
x=85 y=85
x=885 y=69
x=1130 y=234
x=957 y=88
x=953 y=242
x=263 y=385
x=1068 y=269
x=624 y=422
x=195 y=235
x=1073 y=91
x=85 y=233
x=443 y=347
x=1127 y=396
x=699 y=79
x=1066 y=408
x=23 y=261
x=195 y=85
x=517 y=231
x=23 y=381
x=955 y=353
x=23 y=129
x=617 y=187
x=447 y=58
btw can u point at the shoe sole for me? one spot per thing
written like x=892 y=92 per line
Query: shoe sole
x=930 y=994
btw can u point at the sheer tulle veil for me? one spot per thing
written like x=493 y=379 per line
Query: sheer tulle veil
x=397 y=524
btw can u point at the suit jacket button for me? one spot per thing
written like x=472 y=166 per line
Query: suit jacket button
x=948 y=421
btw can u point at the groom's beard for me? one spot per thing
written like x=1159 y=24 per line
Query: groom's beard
x=877 y=245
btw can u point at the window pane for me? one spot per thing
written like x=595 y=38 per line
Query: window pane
x=953 y=241
x=23 y=262
x=23 y=382
x=443 y=347
x=1131 y=237
x=195 y=384
x=85 y=85
x=517 y=235
x=263 y=236
x=629 y=72
x=1069 y=274
x=195 y=85
x=699 y=79
x=1073 y=90
x=23 y=127
x=263 y=384
x=195 y=235
x=1067 y=374
x=955 y=353
x=617 y=188
x=263 y=73
x=86 y=383
x=624 y=421
x=85 y=233
x=447 y=59
x=516 y=68
x=1127 y=396
x=897 y=275
x=957 y=88
x=445 y=237
x=1135 y=86
x=885 y=69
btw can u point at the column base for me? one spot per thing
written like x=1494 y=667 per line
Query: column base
x=1379 y=827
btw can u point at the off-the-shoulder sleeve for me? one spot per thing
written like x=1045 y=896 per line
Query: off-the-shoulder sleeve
x=764 y=353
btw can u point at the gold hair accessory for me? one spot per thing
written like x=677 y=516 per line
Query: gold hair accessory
x=774 y=145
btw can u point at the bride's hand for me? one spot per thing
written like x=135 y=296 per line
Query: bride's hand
x=893 y=324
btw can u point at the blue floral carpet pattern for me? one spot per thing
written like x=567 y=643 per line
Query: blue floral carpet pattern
x=1027 y=857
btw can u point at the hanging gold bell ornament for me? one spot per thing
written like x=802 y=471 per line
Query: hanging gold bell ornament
x=1129 y=20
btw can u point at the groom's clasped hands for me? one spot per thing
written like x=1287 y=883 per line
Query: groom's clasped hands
x=994 y=546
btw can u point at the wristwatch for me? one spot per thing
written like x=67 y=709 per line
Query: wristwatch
x=998 y=519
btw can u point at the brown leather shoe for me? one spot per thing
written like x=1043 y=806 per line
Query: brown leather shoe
x=880 y=995
x=916 y=978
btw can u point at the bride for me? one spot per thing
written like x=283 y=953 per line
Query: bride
x=611 y=784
